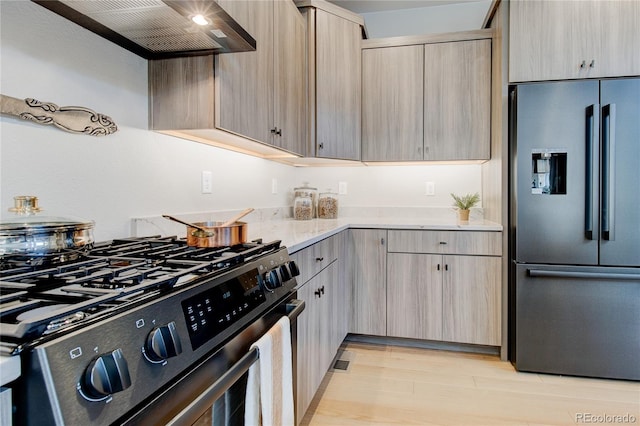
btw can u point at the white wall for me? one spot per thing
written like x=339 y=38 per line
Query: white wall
x=427 y=20
x=135 y=172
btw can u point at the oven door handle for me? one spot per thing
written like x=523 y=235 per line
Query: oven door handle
x=194 y=410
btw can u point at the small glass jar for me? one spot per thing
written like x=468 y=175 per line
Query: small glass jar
x=328 y=205
x=306 y=190
x=303 y=207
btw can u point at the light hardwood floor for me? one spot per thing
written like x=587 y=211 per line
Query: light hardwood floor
x=402 y=386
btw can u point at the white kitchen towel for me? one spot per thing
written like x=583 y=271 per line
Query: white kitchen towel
x=269 y=399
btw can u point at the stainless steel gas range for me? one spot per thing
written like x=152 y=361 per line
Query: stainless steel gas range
x=141 y=330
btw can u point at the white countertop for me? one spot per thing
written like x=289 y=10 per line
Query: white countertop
x=298 y=234
x=9 y=369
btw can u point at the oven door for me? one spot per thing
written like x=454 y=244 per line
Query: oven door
x=213 y=391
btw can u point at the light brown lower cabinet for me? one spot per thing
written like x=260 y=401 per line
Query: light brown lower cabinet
x=367 y=251
x=323 y=325
x=444 y=297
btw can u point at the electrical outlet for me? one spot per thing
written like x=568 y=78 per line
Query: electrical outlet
x=430 y=188
x=274 y=186
x=342 y=188
x=207 y=182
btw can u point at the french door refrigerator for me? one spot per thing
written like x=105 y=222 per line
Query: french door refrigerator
x=575 y=228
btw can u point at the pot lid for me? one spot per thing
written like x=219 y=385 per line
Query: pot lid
x=26 y=219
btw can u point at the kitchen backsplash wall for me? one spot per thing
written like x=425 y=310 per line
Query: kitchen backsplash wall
x=135 y=172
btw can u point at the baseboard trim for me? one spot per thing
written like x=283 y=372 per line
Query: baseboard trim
x=423 y=344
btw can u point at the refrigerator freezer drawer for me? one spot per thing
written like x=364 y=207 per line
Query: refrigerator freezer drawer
x=582 y=321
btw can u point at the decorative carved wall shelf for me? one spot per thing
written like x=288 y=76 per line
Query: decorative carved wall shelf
x=73 y=119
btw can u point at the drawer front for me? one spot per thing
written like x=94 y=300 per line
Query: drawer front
x=446 y=242
x=315 y=258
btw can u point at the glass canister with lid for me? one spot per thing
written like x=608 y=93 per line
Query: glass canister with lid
x=303 y=207
x=328 y=205
x=307 y=191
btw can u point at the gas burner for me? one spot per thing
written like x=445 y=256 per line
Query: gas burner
x=36 y=300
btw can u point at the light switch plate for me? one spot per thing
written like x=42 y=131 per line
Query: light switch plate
x=207 y=182
x=430 y=188
x=342 y=188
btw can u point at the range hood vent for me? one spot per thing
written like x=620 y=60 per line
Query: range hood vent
x=158 y=29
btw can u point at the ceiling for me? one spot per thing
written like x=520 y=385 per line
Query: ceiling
x=367 y=6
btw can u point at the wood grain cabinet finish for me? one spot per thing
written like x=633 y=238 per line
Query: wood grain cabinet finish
x=471 y=300
x=392 y=103
x=334 y=76
x=437 y=292
x=181 y=93
x=323 y=324
x=457 y=100
x=414 y=296
x=261 y=94
x=456 y=242
x=367 y=249
x=558 y=40
x=427 y=101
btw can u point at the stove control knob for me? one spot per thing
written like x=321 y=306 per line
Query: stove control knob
x=272 y=279
x=107 y=374
x=163 y=342
x=293 y=268
x=284 y=273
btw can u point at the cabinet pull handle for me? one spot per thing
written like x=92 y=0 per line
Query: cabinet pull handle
x=438 y=266
x=446 y=267
x=322 y=289
x=275 y=129
x=319 y=259
x=279 y=132
x=320 y=146
x=443 y=243
x=318 y=293
x=592 y=64
x=583 y=64
x=381 y=241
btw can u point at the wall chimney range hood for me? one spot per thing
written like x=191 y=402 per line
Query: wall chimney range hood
x=158 y=29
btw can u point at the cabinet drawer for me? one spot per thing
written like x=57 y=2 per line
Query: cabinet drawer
x=315 y=258
x=446 y=242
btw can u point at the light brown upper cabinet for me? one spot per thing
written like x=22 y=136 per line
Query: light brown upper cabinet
x=457 y=100
x=427 y=98
x=261 y=94
x=558 y=40
x=392 y=102
x=334 y=72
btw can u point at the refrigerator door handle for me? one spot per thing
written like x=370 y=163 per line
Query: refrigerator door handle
x=608 y=170
x=542 y=273
x=591 y=120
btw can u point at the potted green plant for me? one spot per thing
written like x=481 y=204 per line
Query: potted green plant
x=464 y=203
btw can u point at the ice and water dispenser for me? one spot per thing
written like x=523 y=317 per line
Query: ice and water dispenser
x=549 y=171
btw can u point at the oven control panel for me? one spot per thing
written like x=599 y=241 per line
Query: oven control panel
x=216 y=309
x=101 y=372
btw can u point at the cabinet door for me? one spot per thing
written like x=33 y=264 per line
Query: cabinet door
x=414 y=296
x=544 y=40
x=369 y=295
x=319 y=335
x=392 y=103
x=619 y=23
x=457 y=100
x=290 y=78
x=309 y=348
x=338 y=93
x=181 y=93
x=471 y=300
x=244 y=81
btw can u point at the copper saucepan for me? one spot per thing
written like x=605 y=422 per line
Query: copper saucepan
x=216 y=234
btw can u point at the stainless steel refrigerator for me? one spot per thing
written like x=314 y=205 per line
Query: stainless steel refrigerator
x=575 y=228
